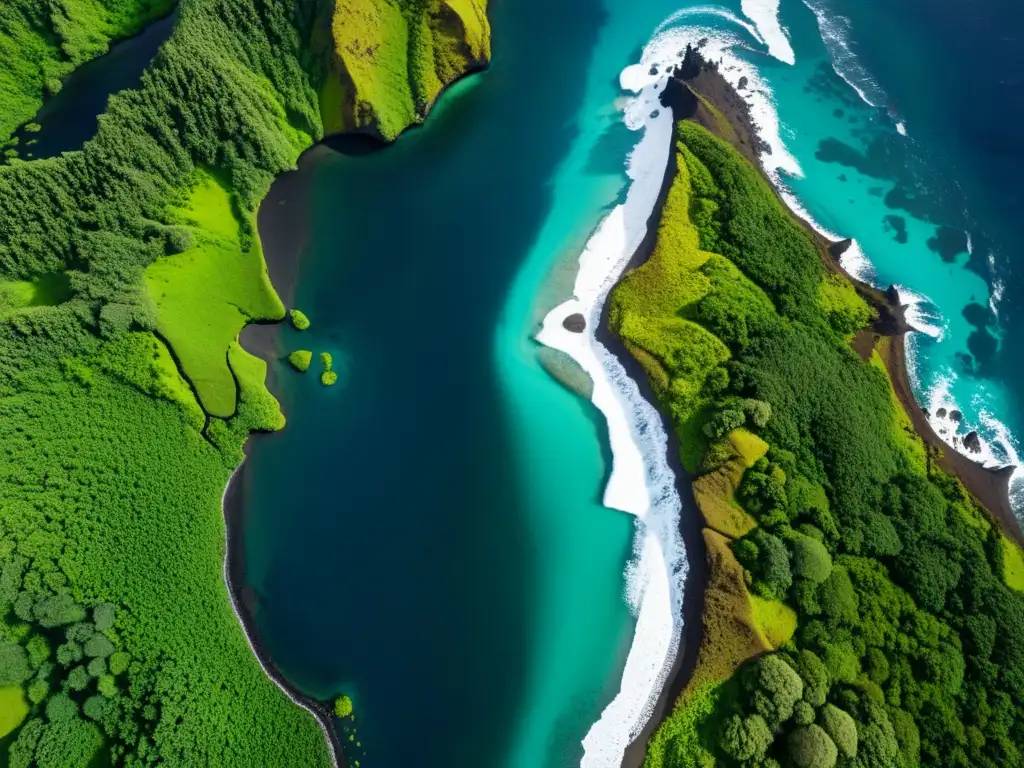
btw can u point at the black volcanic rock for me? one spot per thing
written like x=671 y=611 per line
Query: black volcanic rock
x=575 y=323
x=691 y=66
x=972 y=442
x=838 y=249
x=678 y=97
x=956 y=415
x=941 y=413
x=742 y=83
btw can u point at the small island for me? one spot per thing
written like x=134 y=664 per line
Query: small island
x=300 y=359
x=299 y=320
x=328 y=376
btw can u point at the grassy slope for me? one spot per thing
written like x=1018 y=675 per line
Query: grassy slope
x=38 y=47
x=392 y=58
x=837 y=429
x=205 y=295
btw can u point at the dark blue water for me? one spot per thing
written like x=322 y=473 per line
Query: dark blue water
x=955 y=73
x=69 y=119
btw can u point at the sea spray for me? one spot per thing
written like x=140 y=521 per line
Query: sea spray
x=641 y=481
x=765 y=15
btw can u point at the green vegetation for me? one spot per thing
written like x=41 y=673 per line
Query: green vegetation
x=127 y=270
x=41 y=43
x=342 y=706
x=1013 y=565
x=206 y=294
x=328 y=377
x=299 y=320
x=13 y=708
x=393 y=57
x=831 y=540
x=300 y=359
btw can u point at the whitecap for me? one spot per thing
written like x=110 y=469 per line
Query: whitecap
x=901 y=129
x=835 y=33
x=765 y=15
x=921 y=313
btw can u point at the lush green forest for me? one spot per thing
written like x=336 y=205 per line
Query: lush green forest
x=127 y=270
x=907 y=647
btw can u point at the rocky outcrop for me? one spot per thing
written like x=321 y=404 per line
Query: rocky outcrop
x=575 y=323
x=389 y=60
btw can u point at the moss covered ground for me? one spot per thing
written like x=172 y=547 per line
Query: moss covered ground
x=206 y=295
x=13 y=708
x=855 y=591
x=1013 y=565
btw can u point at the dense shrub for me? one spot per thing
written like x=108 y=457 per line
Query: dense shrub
x=909 y=644
x=810 y=747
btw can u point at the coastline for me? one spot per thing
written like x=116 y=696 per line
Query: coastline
x=283 y=235
x=988 y=487
x=233 y=507
x=690 y=521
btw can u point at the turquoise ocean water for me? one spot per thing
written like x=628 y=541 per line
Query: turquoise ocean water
x=428 y=535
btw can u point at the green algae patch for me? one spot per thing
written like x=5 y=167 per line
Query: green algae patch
x=342 y=706
x=328 y=376
x=299 y=320
x=13 y=708
x=207 y=294
x=301 y=359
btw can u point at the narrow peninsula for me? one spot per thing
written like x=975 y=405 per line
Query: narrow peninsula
x=858 y=603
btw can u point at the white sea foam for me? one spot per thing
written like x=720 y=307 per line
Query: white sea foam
x=901 y=129
x=997 y=446
x=835 y=33
x=922 y=314
x=765 y=15
x=998 y=287
x=641 y=481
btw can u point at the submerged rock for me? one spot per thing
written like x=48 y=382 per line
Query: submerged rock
x=941 y=413
x=956 y=415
